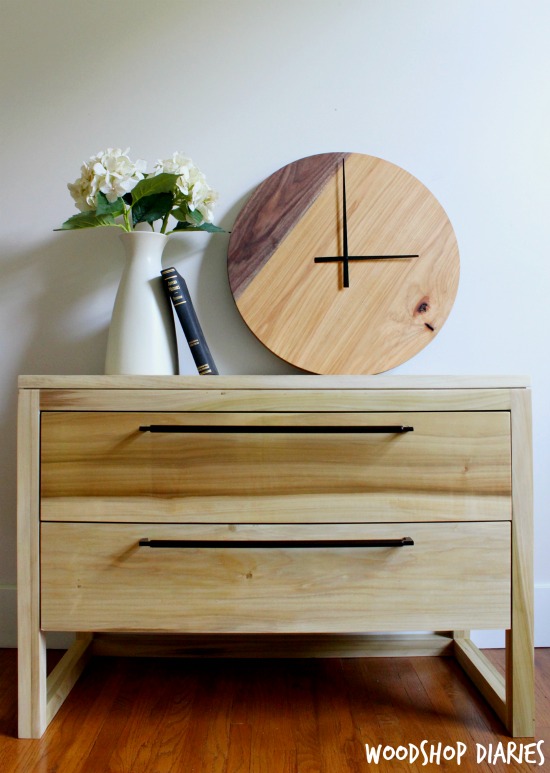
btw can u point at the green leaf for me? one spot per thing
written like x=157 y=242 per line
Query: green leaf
x=160 y=183
x=210 y=227
x=181 y=213
x=87 y=220
x=151 y=208
x=104 y=207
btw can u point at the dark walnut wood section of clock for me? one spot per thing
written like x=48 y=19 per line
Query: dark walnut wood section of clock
x=300 y=308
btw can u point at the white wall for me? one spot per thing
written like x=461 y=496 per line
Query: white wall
x=455 y=92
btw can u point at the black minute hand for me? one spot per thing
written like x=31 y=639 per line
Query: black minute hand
x=346 y=257
x=345 y=263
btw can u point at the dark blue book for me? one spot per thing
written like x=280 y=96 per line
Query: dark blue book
x=178 y=293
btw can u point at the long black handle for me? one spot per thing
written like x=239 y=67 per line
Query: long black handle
x=276 y=543
x=274 y=428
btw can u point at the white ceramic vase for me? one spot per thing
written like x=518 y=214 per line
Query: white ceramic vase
x=142 y=336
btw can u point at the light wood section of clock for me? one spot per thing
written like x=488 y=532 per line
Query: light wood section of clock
x=392 y=309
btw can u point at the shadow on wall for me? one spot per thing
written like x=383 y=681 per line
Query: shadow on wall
x=61 y=297
x=55 y=306
x=224 y=328
x=58 y=299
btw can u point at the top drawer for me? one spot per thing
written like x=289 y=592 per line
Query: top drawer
x=275 y=467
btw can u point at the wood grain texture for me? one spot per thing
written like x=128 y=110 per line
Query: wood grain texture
x=300 y=309
x=520 y=665
x=160 y=716
x=289 y=399
x=319 y=645
x=385 y=382
x=66 y=673
x=488 y=680
x=100 y=579
x=477 y=449
x=31 y=640
x=272 y=211
x=98 y=460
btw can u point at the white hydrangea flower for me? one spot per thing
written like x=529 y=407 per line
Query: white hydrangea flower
x=111 y=172
x=191 y=183
x=179 y=164
x=84 y=189
x=203 y=198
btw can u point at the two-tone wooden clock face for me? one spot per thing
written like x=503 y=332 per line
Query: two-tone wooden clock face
x=343 y=263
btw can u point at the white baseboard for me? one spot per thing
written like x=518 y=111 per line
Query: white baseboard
x=495 y=639
x=8 y=622
x=8 y=616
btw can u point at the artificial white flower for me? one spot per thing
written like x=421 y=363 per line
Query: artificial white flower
x=116 y=174
x=179 y=164
x=203 y=198
x=111 y=172
x=191 y=183
x=84 y=189
x=182 y=194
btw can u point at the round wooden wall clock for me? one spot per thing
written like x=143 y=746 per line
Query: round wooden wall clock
x=343 y=263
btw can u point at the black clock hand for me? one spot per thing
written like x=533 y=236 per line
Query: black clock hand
x=345 y=264
x=363 y=257
x=346 y=257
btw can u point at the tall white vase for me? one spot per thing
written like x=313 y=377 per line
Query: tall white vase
x=142 y=336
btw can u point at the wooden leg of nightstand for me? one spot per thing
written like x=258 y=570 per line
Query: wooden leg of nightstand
x=516 y=705
x=31 y=685
x=520 y=718
x=512 y=698
x=520 y=669
x=483 y=674
x=31 y=641
x=62 y=679
x=460 y=634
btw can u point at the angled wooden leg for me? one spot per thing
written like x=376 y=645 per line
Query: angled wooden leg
x=483 y=674
x=64 y=676
x=513 y=698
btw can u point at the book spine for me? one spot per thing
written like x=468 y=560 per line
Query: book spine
x=178 y=293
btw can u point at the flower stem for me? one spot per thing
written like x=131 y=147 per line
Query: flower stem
x=127 y=218
x=164 y=223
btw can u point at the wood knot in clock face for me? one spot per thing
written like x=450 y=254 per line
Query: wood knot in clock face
x=343 y=263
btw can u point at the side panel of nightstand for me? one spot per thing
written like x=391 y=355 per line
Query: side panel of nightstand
x=31 y=641
x=39 y=695
x=520 y=693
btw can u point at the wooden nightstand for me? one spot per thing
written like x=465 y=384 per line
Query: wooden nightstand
x=290 y=506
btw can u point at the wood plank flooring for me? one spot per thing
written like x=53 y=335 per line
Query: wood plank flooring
x=136 y=715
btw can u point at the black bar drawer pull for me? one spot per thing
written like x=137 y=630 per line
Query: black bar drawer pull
x=276 y=543
x=274 y=428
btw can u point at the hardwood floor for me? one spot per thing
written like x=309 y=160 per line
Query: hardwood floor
x=139 y=715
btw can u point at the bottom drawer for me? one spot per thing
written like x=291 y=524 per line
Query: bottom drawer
x=97 y=577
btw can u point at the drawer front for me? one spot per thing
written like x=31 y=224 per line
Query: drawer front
x=275 y=467
x=99 y=578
